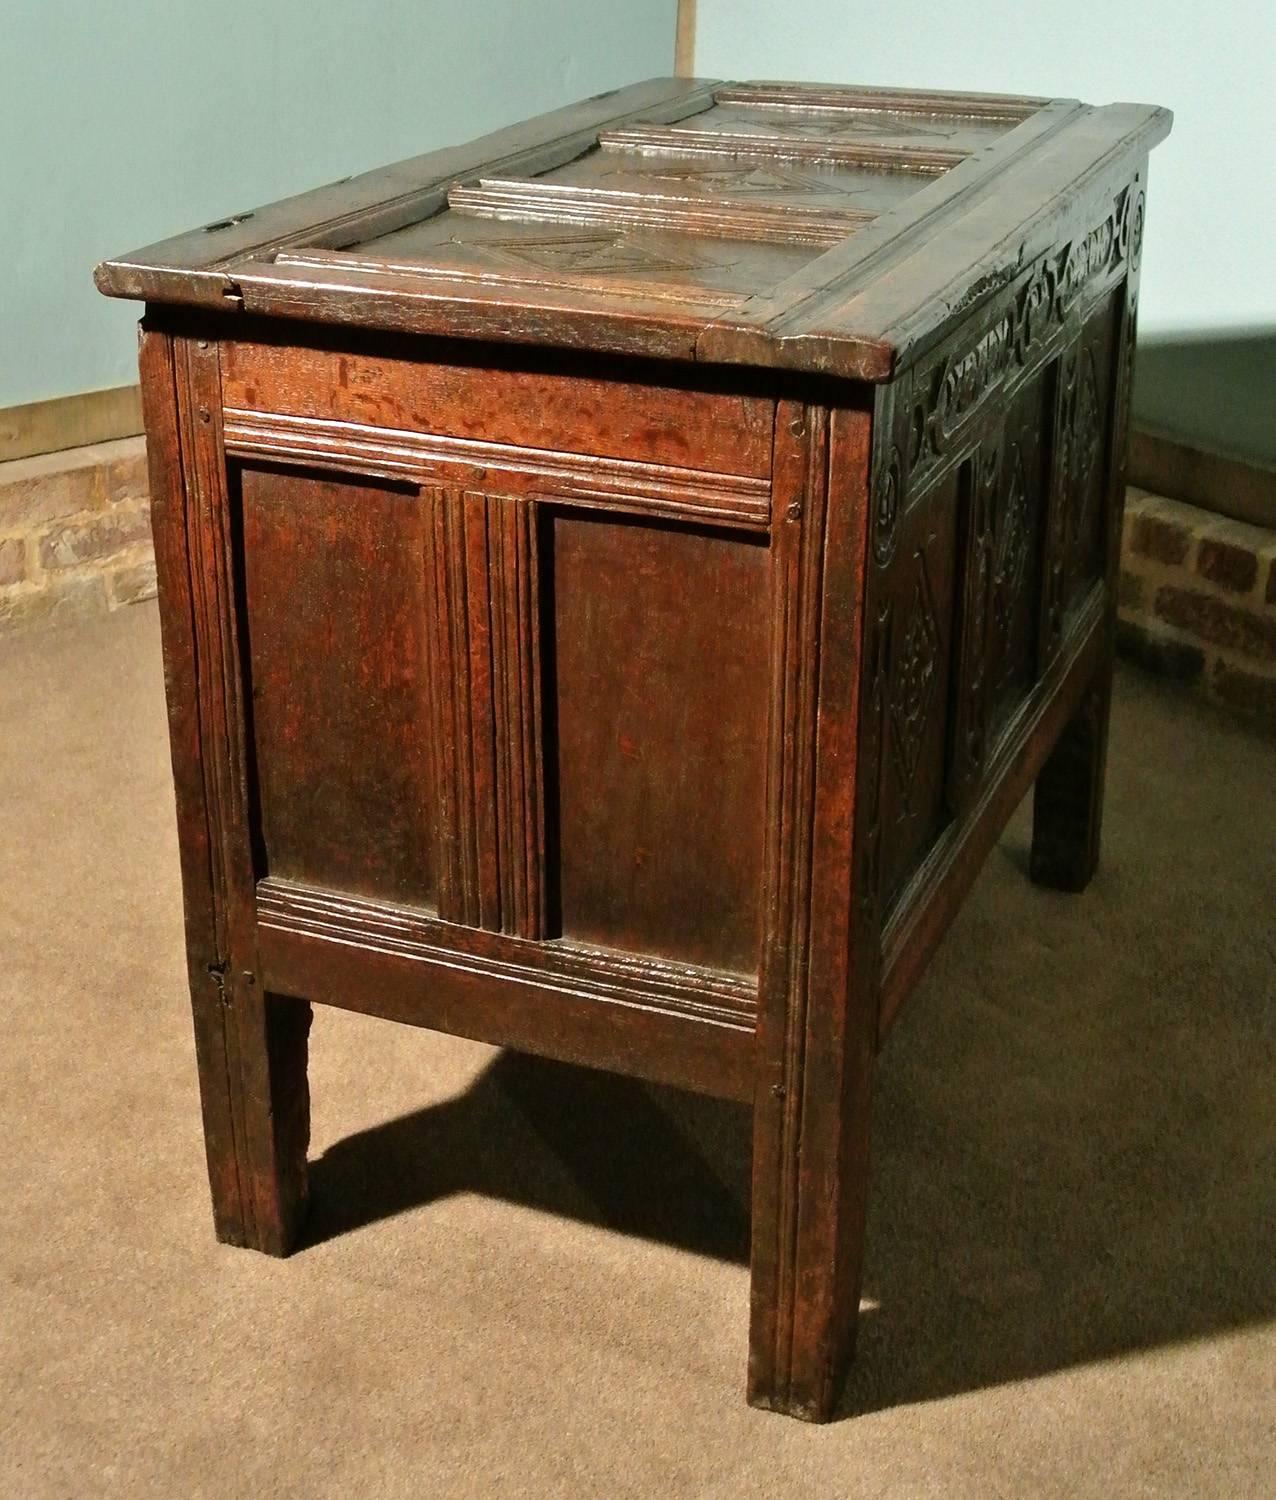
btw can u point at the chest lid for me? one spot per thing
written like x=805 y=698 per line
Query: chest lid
x=794 y=225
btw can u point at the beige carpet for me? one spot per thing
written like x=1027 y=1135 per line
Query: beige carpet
x=527 y=1280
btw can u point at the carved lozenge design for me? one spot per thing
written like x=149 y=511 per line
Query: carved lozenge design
x=1012 y=549
x=913 y=686
x=584 y=255
x=886 y=507
x=1087 y=441
x=857 y=125
x=980 y=586
x=741 y=180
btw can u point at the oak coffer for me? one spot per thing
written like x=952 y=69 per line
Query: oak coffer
x=618 y=578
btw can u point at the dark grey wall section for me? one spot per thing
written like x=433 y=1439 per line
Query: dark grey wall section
x=1217 y=393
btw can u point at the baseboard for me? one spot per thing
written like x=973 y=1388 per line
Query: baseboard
x=1198 y=602
x=70 y=422
x=1222 y=482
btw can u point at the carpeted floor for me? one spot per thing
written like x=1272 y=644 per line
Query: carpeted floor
x=526 y=1280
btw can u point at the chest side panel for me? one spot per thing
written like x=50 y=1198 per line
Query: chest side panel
x=996 y=505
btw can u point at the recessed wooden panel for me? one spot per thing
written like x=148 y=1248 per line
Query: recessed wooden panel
x=826 y=129
x=335 y=590
x=1077 y=526
x=661 y=264
x=920 y=613
x=657 y=687
x=1006 y=483
x=1089 y=413
x=1015 y=574
x=814 y=205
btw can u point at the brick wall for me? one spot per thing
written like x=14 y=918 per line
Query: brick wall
x=75 y=538
x=1198 y=601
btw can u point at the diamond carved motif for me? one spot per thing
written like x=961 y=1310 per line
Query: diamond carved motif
x=745 y=179
x=914 y=684
x=1087 y=442
x=859 y=125
x=1012 y=556
x=579 y=255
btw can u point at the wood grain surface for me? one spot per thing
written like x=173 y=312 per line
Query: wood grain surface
x=816 y=227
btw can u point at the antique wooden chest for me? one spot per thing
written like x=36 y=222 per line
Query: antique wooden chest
x=617 y=579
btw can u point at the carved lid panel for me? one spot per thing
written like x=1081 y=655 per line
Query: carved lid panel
x=735 y=223
x=634 y=262
x=786 y=122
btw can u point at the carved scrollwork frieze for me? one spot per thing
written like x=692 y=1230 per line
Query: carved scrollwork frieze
x=928 y=418
x=1017 y=335
x=1130 y=244
x=887 y=494
x=913 y=682
x=1086 y=261
x=889 y=491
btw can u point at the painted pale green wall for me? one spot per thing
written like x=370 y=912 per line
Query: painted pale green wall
x=125 y=122
x=1207 y=305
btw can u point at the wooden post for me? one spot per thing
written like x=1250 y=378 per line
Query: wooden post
x=251 y=1047
x=684 y=46
x=818 y=1019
